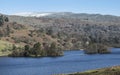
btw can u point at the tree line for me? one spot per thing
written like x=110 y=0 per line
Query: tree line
x=37 y=50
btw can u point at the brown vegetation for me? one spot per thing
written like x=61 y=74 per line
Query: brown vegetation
x=105 y=71
x=70 y=32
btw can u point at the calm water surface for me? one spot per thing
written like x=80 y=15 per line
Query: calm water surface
x=72 y=61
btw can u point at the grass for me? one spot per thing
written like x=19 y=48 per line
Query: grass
x=4 y=46
x=105 y=71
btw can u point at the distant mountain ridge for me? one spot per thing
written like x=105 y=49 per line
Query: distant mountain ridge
x=32 y=14
x=25 y=18
x=42 y=14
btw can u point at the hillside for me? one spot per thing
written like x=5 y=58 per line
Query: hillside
x=88 y=27
x=70 y=31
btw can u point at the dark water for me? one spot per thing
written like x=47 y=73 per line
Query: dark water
x=73 y=61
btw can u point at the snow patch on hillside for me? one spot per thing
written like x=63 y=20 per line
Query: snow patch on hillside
x=32 y=14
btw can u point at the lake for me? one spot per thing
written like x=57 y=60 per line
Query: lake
x=72 y=61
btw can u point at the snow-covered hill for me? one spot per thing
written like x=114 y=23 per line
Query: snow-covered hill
x=42 y=14
x=32 y=14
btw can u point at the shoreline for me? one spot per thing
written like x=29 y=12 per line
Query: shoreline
x=5 y=54
x=102 y=71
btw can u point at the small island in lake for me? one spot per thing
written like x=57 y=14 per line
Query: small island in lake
x=97 y=49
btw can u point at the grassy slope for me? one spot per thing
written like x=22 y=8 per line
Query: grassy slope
x=5 y=45
x=19 y=36
x=105 y=71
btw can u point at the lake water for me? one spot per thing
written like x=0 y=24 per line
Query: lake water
x=72 y=61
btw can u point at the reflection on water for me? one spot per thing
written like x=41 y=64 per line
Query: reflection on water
x=73 y=61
